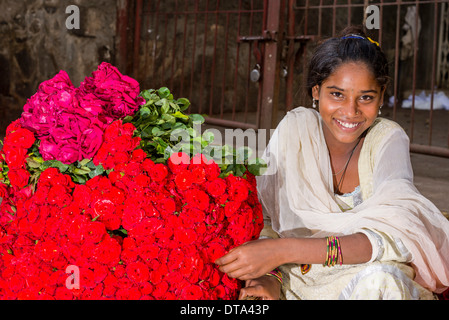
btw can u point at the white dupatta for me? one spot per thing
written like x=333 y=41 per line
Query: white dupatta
x=297 y=193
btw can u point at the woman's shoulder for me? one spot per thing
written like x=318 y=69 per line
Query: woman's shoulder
x=382 y=132
x=302 y=115
x=383 y=127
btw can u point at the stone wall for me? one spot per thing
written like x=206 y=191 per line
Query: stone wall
x=35 y=44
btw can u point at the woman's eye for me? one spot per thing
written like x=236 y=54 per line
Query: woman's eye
x=366 y=98
x=337 y=94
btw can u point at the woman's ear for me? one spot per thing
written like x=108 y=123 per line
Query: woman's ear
x=316 y=92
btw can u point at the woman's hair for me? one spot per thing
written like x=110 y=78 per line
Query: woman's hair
x=351 y=46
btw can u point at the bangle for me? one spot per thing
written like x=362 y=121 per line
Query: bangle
x=276 y=273
x=333 y=252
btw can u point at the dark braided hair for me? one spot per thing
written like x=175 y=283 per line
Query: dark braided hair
x=351 y=46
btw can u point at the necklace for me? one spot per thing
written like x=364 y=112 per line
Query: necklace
x=346 y=166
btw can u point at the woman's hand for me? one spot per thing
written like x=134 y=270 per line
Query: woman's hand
x=251 y=260
x=264 y=288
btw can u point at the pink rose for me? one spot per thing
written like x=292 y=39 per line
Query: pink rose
x=116 y=93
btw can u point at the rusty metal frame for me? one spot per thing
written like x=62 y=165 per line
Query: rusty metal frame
x=263 y=45
x=320 y=6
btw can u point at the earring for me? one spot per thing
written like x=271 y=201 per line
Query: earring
x=314 y=103
x=380 y=111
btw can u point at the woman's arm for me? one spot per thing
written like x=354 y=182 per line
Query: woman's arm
x=255 y=258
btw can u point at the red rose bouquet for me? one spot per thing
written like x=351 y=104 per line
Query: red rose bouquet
x=98 y=204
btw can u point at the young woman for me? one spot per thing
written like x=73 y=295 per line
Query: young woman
x=343 y=219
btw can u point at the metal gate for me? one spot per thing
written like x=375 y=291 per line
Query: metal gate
x=243 y=63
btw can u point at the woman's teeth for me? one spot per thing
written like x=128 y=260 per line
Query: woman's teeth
x=348 y=124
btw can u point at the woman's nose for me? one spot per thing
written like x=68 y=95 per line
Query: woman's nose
x=351 y=108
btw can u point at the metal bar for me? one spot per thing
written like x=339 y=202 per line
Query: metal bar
x=415 y=61
x=223 y=81
x=434 y=59
x=237 y=58
x=164 y=48
x=249 y=67
x=429 y=150
x=192 y=70
x=354 y=5
x=203 y=59
x=122 y=31
x=156 y=37
x=214 y=58
x=181 y=92
x=381 y=13
x=230 y=123
x=260 y=87
x=396 y=62
x=270 y=72
x=190 y=12
x=137 y=31
x=146 y=54
x=175 y=27
x=334 y=18
x=290 y=56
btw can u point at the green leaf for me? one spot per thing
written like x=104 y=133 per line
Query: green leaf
x=180 y=115
x=99 y=170
x=157 y=132
x=84 y=162
x=164 y=92
x=144 y=112
x=81 y=171
x=197 y=118
x=33 y=163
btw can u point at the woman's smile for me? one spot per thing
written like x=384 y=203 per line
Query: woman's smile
x=348 y=126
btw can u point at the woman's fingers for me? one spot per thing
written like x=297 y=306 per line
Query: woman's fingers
x=255 y=291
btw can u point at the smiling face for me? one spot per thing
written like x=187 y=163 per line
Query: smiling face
x=349 y=101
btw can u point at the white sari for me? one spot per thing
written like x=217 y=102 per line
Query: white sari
x=409 y=235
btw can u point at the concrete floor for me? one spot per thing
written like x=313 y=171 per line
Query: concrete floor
x=432 y=179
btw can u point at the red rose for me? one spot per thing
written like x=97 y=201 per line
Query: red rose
x=103 y=207
x=59 y=196
x=138 y=155
x=183 y=179
x=158 y=274
x=193 y=214
x=198 y=174
x=18 y=177
x=237 y=188
x=197 y=198
x=148 y=252
x=20 y=138
x=14 y=156
x=160 y=290
x=215 y=250
x=147 y=164
x=107 y=251
x=47 y=250
x=138 y=272
x=192 y=292
x=158 y=172
x=231 y=207
x=165 y=206
x=132 y=215
x=178 y=161
x=185 y=236
x=216 y=187
x=94 y=231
